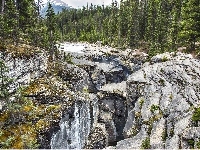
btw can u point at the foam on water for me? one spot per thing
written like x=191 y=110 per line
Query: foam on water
x=72 y=47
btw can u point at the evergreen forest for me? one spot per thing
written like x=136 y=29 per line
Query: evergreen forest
x=155 y=26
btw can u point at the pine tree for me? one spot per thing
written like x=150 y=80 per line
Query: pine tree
x=163 y=25
x=175 y=23
x=133 y=30
x=27 y=10
x=51 y=29
x=142 y=19
x=2 y=4
x=151 y=32
x=191 y=22
x=123 y=22
x=37 y=29
x=10 y=27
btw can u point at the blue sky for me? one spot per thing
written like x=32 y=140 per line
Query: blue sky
x=80 y=3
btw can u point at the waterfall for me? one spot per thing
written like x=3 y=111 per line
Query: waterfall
x=95 y=111
x=73 y=133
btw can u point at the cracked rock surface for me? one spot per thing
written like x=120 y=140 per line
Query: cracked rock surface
x=161 y=97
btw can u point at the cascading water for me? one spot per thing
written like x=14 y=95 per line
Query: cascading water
x=73 y=133
x=95 y=111
x=75 y=127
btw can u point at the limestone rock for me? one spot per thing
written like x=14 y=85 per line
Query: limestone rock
x=163 y=95
x=25 y=70
x=113 y=111
x=77 y=78
x=97 y=138
x=134 y=142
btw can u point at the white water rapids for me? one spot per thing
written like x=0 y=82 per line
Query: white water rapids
x=72 y=47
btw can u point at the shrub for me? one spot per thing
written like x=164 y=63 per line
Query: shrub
x=164 y=59
x=191 y=143
x=196 y=116
x=198 y=144
x=164 y=134
x=146 y=143
x=162 y=82
x=154 y=108
x=141 y=101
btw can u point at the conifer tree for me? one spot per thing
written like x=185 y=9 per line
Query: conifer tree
x=27 y=10
x=2 y=4
x=37 y=30
x=163 y=24
x=10 y=21
x=51 y=29
x=133 y=30
x=175 y=23
x=142 y=18
x=123 y=22
x=191 y=22
x=151 y=32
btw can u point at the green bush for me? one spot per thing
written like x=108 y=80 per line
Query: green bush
x=164 y=59
x=164 y=134
x=198 y=144
x=191 y=143
x=141 y=101
x=162 y=82
x=196 y=114
x=146 y=143
x=154 y=108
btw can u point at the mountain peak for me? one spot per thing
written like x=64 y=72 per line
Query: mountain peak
x=58 y=3
x=58 y=6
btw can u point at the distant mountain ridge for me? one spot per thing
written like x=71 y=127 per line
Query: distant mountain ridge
x=58 y=6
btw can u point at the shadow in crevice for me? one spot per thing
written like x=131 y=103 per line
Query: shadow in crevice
x=113 y=105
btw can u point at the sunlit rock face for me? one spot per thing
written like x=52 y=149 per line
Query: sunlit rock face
x=24 y=70
x=161 y=98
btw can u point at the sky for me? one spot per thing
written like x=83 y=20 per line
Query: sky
x=80 y=3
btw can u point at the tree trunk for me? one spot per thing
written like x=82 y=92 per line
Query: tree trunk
x=2 y=6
